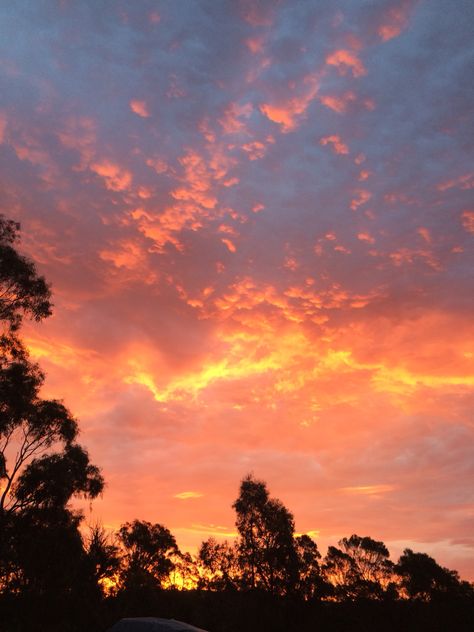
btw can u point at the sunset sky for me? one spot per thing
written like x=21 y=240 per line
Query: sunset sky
x=257 y=218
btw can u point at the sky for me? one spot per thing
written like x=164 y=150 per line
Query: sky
x=257 y=218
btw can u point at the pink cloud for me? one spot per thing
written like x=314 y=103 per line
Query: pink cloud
x=288 y=112
x=395 y=20
x=345 y=60
x=364 y=236
x=80 y=134
x=3 y=125
x=467 y=218
x=256 y=13
x=232 y=122
x=116 y=177
x=255 y=44
x=229 y=244
x=425 y=234
x=466 y=181
x=140 y=108
x=338 y=103
x=362 y=196
x=255 y=150
x=336 y=144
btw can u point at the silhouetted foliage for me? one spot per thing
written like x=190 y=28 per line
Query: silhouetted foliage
x=266 y=548
x=102 y=555
x=22 y=290
x=220 y=565
x=359 y=569
x=423 y=578
x=310 y=584
x=41 y=465
x=148 y=554
x=352 y=588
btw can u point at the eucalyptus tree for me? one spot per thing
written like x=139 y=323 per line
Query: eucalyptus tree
x=219 y=563
x=149 y=554
x=423 y=579
x=41 y=464
x=359 y=568
x=266 y=546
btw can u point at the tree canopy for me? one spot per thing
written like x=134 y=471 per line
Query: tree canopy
x=41 y=464
x=22 y=290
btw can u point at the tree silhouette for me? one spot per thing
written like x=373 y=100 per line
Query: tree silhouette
x=22 y=290
x=148 y=554
x=102 y=556
x=266 y=547
x=41 y=465
x=310 y=584
x=422 y=578
x=360 y=568
x=220 y=565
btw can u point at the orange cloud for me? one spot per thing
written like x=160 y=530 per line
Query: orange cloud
x=345 y=60
x=194 y=199
x=465 y=181
x=256 y=14
x=395 y=21
x=336 y=143
x=3 y=125
x=255 y=150
x=116 y=178
x=140 y=108
x=467 y=219
x=255 y=44
x=129 y=255
x=291 y=264
x=197 y=181
x=366 y=237
x=158 y=164
x=363 y=196
x=79 y=133
x=425 y=233
x=188 y=495
x=338 y=103
x=231 y=121
x=230 y=246
x=408 y=256
x=368 y=490
x=288 y=112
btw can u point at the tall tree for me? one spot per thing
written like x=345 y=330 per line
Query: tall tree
x=360 y=568
x=310 y=582
x=149 y=550
x=102 y=557
x=266 y=546
x=422 y=578
x=220 y=565
x=41 y=465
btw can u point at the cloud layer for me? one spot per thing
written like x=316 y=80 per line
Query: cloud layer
x=257 y=218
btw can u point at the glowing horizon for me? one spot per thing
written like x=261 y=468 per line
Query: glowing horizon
x=257 y=219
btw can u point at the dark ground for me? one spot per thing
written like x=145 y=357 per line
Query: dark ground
x=233 y=612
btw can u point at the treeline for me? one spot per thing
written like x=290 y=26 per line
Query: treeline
x=267 y=557
x=58 y=579
x=55 y=575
